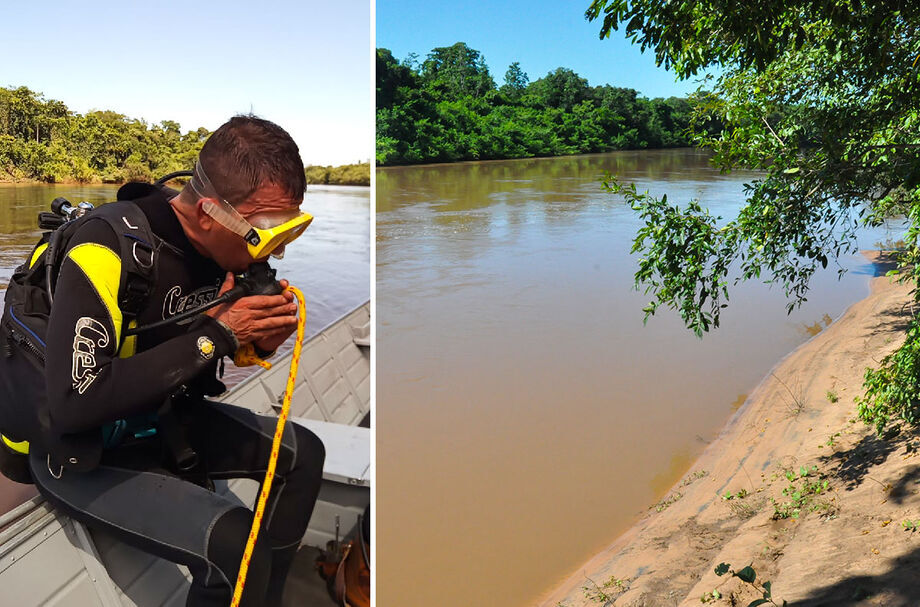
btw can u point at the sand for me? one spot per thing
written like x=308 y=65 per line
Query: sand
x=847 y=546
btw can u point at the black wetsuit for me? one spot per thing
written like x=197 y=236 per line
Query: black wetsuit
x=107 y=389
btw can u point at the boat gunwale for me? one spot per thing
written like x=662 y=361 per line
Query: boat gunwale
x=254 y=376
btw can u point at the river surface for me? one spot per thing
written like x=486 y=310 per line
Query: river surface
x=525 y=416
x=330 y=263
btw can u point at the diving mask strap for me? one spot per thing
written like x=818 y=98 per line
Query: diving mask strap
x=221 y=210
x=201 y=184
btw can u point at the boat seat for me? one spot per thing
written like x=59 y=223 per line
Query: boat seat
x=348 y=450
x=345 y=491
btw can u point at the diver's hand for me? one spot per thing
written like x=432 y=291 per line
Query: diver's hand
x=257 y=319
x=272 y=341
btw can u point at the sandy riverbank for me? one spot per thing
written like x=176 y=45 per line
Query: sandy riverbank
x=847 y=546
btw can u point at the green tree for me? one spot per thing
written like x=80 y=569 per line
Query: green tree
x=516 y=81
x=823 y=96
x=457 y=70
x=391 y=78
x=561 y=88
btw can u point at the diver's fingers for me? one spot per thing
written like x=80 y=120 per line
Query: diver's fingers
x=287 y=309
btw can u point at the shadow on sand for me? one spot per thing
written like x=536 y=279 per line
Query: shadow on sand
x=852 y=465
x=897 y=587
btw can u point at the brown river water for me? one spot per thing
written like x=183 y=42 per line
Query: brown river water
x=330 y=263
x=525 y=416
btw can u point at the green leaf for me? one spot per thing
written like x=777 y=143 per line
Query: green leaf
x=722 y=568
x=757 y=602
x=746 y=575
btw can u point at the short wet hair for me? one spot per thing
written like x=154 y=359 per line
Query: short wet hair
x=248 y=152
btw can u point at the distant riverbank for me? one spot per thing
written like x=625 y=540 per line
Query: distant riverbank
x=449 y=108
x=42 y=141
x=347 y=174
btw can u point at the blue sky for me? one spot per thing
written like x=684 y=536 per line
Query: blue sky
x=540 y=34
x=304 y=65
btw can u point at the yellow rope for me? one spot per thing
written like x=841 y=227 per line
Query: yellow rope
x=245 y=356
x=276 y=446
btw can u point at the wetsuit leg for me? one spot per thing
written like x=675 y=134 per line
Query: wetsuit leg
x=236 y=443
x=165 y=516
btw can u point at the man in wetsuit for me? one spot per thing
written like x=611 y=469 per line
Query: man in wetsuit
x=101 y=460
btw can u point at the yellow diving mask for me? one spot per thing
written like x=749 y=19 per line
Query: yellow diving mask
x=265 y=234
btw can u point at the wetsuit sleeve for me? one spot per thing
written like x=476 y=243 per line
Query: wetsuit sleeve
x=88 y=383
x=263 y=354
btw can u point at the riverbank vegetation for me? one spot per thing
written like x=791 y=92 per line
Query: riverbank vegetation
x=42 y=140
x=824 y=101
x=347 y=174
x=449 y=108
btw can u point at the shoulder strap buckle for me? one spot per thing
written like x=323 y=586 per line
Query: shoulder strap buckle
x=138 y=256
x=143 y=254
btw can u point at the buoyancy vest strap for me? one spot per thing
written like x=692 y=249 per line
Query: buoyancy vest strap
x=20 y=447
x=37 y=253
x=102 y=268
x=129 y=347
x=138 y=255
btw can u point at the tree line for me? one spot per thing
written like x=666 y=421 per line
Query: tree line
x=346 y=174
x=448 y=108
x=42 y=140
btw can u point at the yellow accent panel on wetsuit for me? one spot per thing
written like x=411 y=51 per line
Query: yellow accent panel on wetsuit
x=103 y=269
x=130 y=346
x=37 y=253
x=20 y=447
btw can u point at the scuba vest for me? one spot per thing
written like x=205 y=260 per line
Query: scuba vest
x=24 y=324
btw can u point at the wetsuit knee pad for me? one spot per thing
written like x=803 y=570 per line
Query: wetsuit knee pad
x=226 y=545
x=311 y=453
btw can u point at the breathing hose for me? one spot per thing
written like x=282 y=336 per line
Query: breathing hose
x=225 y=298
x=276 y=443
x=259 y=279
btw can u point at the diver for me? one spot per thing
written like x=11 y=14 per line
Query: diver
x=107 y=395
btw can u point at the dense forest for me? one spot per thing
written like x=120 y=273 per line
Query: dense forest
x=42 y=140
x=448 y=108
x=347 y=174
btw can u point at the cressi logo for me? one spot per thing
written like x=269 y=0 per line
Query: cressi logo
x=89 y=334
x=177 y=303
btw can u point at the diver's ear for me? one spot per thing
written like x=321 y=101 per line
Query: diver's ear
x=204 y=218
